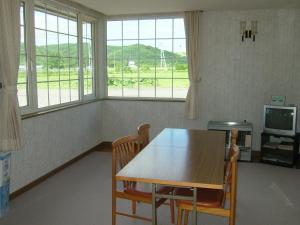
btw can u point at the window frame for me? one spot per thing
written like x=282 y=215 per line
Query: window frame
x=92 y=21
x=29 y=35
x=139 y=17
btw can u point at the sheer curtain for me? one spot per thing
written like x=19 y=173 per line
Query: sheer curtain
x=10 y=119
x=192 y=30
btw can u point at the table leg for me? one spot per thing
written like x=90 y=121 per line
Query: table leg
x=195 y=206
x=154 y=216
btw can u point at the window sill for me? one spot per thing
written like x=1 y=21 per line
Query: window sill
x=35 y=114
x=145 y=99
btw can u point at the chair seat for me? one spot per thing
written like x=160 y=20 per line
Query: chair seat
x=145 y=190
x=211 y=198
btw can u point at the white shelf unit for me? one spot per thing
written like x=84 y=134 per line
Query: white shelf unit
x=244 y=140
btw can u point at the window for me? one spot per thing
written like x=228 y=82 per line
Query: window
x=56 y=41
x=88 y=58
x=62 y=69
x=147 y=58
x=22 y=77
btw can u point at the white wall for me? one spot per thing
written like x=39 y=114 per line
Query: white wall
x=238 y=78
x=53 y=139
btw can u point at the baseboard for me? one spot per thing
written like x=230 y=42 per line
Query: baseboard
x=102 y=145
x=255 y=156
x=105 y=146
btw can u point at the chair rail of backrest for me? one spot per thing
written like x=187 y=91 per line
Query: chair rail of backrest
x=231 y=171
x=143 y=132
x=123 y=151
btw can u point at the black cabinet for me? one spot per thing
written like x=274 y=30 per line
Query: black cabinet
x=279 y=149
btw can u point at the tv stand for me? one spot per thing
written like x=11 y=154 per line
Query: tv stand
x=244 y=140
x=279 y=149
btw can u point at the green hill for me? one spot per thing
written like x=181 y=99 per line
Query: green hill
x=145 y=55
x=140 y=54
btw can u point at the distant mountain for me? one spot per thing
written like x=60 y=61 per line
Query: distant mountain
x=143 y=54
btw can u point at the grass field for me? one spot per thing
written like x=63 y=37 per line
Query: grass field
x=60 y=78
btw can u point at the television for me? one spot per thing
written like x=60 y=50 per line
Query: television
x=280 y=120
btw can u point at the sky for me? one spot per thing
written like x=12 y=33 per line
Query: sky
x=132 y=32
x=146 y=31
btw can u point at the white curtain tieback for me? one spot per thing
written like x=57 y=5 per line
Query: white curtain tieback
x=9 y=89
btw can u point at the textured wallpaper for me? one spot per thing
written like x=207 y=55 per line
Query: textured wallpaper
x=238 y=78
x=53 y=139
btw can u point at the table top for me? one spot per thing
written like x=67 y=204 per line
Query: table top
x=180 y=157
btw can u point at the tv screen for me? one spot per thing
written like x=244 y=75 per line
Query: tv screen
x=282 y=119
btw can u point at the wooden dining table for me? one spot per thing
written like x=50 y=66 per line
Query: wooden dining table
x=179 y=158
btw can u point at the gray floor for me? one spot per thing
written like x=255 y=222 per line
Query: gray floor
x=81 y=195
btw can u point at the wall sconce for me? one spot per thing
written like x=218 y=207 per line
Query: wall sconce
x=248 y=30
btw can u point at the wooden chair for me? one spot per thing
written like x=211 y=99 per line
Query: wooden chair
x=143 y=133
x=213 y=201
x=233 y=141
x=123 y=151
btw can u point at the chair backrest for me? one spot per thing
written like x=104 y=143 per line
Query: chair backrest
x=233 y=141
x=123 y=151
x=231 y=175
x=143 y=132
x=234 y=135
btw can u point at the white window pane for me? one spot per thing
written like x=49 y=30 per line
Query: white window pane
x=39 y=19
x=148 y=50
x=53 y=68
x=54 y=94
x=87 y=48
x=40 y=42
x=22 y=38
x=114 y=30
x=114 y=86
x=51 y=22
x=52 y=43
x=165 y=44
x=41 y=68
x=42 y=94
x=63 y=45
x=179 y=31
x=22 y=15
x=88 y=86
x=180 y=88
x=164 y=88
x=180 y=46
x=22 y=70
x=63 y=25
x=130 y=87
x=147 y=29
x=73 y=46
x=130 y=49
x=65 y=91
x=84 y=30
x=130 y=29
x=164 y=28
x=89 y=30
x=73 y=27
x=147 y=87
x=74 y=90
x=22 y=95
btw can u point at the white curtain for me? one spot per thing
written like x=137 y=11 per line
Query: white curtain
x=192 y=30
x=10 y=119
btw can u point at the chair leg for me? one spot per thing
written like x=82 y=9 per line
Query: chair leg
x=179 y=216
x=186 y=217
x=113 y=210
x=172 y=211
x=133 y=207
x=231 y=220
